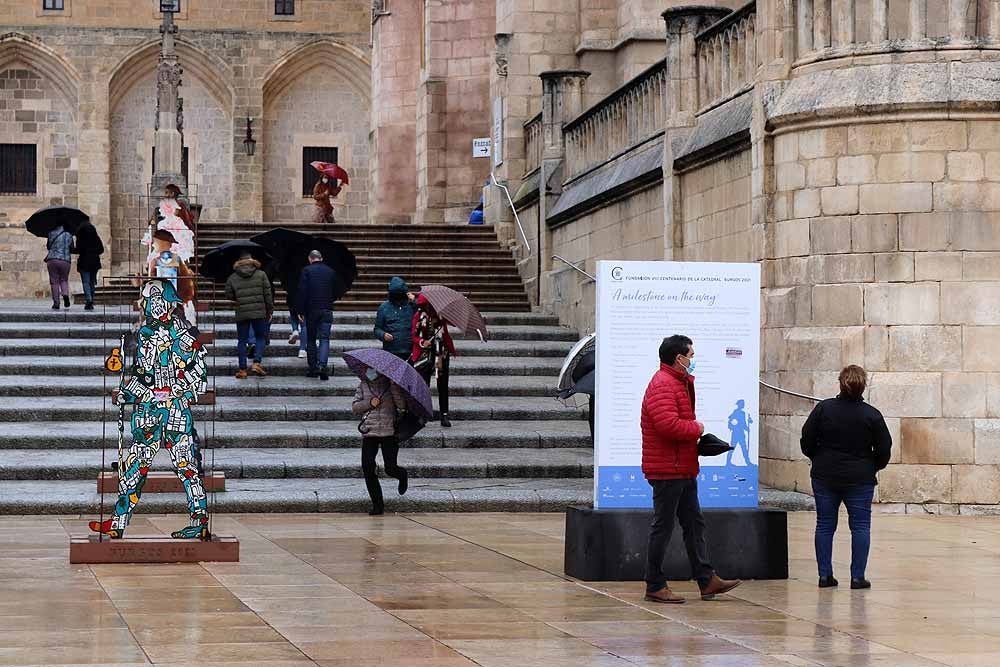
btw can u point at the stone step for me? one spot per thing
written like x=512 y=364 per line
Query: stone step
x=250 y=228
x=369 y=301
x=46 y=332
x=50 y=497
x=52 y=385
x=40 y=311
x=281 y=463
x=90 y=434
x=305 y=408
x=225 y=365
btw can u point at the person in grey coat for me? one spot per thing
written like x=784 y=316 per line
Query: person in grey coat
x=378 y=402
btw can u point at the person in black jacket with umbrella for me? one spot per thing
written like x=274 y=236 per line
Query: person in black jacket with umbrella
x=89 y=247
x=847 y=442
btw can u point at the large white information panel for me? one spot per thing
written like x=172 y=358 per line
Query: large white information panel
x=717 y=305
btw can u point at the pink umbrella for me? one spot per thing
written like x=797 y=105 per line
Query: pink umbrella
x=332 y=170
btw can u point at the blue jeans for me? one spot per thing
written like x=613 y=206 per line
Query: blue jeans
x=243 y=330
x=858 y=500
x=318 y=325
x=252 y=338
x=89 y=280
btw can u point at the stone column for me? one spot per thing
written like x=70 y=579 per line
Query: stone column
x=879 y=21
x=994 y=20
x=804 y=21
x=168 y=140
x=843 y=22
x=821 y=25
x=956 y=18
x=918 y=19
x=682 y=98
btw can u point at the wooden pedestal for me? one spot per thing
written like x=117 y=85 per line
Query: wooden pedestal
x=95 y=550
x=162 y=482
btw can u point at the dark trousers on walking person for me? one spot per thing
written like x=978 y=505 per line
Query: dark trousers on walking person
x=59 y=280
x=390 y=451
x=858 y=500
x=427 y=372
x=318 y=325
x=676 y=498
x=243 y=329
x=89 y=280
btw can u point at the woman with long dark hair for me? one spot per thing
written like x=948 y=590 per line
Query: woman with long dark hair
x=847 y=442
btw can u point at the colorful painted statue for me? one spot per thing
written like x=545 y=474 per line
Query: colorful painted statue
x=168 y=374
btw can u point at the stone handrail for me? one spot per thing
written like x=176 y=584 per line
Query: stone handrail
x=825 y=29
x=727 y=58
x=625 y=118
x=533 y=143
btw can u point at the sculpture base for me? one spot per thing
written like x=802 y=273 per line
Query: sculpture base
x=162 y=482
x=94 y=550
x=610 y=545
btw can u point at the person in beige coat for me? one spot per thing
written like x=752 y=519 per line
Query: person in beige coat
x=379 y=402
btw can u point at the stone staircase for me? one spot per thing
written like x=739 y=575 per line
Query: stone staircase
x=466 y=258
x=288 y=443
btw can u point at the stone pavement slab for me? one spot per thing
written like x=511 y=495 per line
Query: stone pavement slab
x=450 y=590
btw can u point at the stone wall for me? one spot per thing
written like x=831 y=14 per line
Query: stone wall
x=885 y=250
x=104 y=76
x=628 y=229
x=715 y=211
x=318 y=109
x=34 y=111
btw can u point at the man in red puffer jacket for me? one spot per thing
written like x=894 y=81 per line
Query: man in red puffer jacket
x=670 y=435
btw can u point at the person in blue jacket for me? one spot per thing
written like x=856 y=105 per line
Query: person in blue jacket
x=394 y=320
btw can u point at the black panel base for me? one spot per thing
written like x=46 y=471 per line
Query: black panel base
x=610 y=545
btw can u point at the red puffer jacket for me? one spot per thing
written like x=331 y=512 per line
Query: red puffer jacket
x=669 y=430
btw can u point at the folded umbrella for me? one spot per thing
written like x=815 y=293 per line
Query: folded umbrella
x=331 y=170
x=587 y=344
x=712 y=445
x=456 y=309
x=416 y=391
x=218 y=262
x=584 y=376
x=46 y=219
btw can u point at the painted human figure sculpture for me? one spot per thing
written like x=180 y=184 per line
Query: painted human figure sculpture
x=166 y=377
x=171 y=229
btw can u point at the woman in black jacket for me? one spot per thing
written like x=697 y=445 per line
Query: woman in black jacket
x=847 y=442
x=89 y=248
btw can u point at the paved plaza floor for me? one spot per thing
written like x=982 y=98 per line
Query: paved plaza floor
x=449 y=590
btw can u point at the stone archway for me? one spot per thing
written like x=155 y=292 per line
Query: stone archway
x=318 y=95
x=208 y=138
x=39 y=110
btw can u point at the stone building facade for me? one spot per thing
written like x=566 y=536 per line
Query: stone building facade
x=849 y=146
x=78 y=84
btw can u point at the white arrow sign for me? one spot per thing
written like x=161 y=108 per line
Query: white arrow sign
x=481 y=147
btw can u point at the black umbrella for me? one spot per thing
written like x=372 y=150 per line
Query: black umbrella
x=46 y=219
x=582 y=376
x=292 y=250
x=218 y=262
x=711 y=445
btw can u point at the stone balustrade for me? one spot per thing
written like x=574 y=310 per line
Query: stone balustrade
x=826 y=29
x=533 y=143
x=627 y=117
x=726 y=56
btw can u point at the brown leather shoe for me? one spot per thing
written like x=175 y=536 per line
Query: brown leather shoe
x=241 y=374
x=718 y=586
x=665 y=596
x=258 y=370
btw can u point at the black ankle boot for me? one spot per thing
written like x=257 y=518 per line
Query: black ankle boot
x=403 y=481
x=65 y=301
x=55 y=305
x=828 y=582
x=89 y=305
x=445 y=422
x=860 y=584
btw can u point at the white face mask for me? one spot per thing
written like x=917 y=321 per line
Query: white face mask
x=371 y=374
x=326 y=180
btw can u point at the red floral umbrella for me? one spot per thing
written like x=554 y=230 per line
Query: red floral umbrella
x=332 y=170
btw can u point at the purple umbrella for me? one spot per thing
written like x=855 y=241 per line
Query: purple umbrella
x=416 y=391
